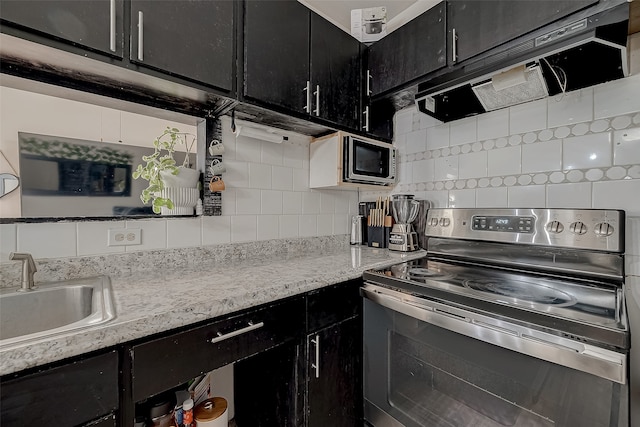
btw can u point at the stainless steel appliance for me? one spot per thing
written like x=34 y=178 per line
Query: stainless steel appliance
x=341 y=157
x=405 y=211
x=548 y=61
x=515 y=317
x=356 y=229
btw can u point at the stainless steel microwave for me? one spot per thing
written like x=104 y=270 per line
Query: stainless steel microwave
x=343 y=160
x=367 y=161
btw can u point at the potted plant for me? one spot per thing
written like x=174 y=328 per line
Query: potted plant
x=172 y=189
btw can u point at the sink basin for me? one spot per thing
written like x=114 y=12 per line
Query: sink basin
x=54 y=308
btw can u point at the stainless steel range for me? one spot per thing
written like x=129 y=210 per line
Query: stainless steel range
x=515 y=317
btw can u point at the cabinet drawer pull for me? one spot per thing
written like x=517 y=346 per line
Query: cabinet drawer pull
x=316 y=365
x=250 y=327
x=140 y=35
x=112 y=25
x=317 y=94
x=307 y=89
x=366 y=119
x=454 y=46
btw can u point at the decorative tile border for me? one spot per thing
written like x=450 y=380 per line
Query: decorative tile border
x=611 y=173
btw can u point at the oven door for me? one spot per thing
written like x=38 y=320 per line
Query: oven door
x=429 y=364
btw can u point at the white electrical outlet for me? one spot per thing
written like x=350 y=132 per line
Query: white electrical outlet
x=124 y=236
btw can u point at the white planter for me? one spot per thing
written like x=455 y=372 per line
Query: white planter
x=185 y=178
x=184 y=200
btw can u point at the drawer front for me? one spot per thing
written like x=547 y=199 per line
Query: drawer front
x=66 y=395
x=333 y=304
x=167 y=362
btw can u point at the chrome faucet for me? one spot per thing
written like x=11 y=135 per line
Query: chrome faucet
x=28 y=270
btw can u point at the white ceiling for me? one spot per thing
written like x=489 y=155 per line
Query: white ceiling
x=399 y=12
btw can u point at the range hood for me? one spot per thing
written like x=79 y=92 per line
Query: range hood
x=585 y=49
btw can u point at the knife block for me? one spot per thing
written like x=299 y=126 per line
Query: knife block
x=378 y=237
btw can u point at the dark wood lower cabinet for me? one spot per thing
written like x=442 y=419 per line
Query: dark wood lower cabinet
x=334 y=387
x=82 y=392
x=273 y=349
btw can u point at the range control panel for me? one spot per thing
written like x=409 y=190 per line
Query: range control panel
x=596 y=229
x=518 y=224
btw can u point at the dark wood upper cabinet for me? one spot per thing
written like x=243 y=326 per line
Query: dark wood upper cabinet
x=192 y=39
x=97 y=24
x=412 y=51
x=480 y=25
x=335 y=73
x=276 y=54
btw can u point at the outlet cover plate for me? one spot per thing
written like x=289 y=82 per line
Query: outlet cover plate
x=124 y=236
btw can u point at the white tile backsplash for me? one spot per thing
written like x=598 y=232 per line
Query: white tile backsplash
x=8 y=240
x=244 y=228
x=462 y=198
x=531 y=116
x=624 y=194
x=438 y=136
x=268 y=227
x=416 y=141
x=570 y=108
x=272 y=154
x=526 y=196
x=291 y=202
x=633 y=235
x=463 y=131
x=626 y=147
x=325 y=224
x=271 y=202
x=311 y=202
x=216 y=230
x=588 y=151
x=153 y=234
x=445 y=168
x=491 y=197
x=247 y=201
x=308 y=225
x=93 y=237
x=504 y=161
x=183 y=233
x=472 y=165
x=289 y=225
x=259 y=175
x=282 y=178
x=423 y=170
x=493 y=125
x=542 y=156
x=617 y=97
x=247 y=149
x=48 y=240
x=572 y=195
x=327 y=202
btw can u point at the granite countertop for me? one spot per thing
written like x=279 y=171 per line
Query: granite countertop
x=147 y=303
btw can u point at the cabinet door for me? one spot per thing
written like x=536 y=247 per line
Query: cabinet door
x=68 y=395
x=192 y=39
x=480 y=25
x=276 y=53
x=334 y=387
x=413 y=50
x=96 y=24
x=335 y=73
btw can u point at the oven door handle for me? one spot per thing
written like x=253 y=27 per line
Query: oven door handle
x=603 y=363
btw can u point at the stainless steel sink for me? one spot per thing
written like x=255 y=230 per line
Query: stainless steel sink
x=54 y=308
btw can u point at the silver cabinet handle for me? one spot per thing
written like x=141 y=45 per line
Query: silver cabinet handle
x=140 y=36
x=454 y=46
x=307 y=89
x=112 y=25
x=317 y=94
x=250 y=327
x=366 y=119
x=369 y=78
x=316 y=365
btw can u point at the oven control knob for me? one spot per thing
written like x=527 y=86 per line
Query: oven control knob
x=578 y=227
x=555 y=227
x=604 y=229
x=445 y=222
x=433 y=222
